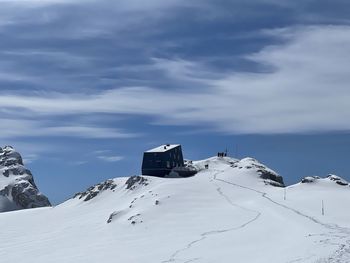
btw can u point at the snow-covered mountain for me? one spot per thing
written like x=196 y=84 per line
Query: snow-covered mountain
x=234 y=211
x=17 y=187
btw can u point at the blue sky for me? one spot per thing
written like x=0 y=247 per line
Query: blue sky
x=87 y=86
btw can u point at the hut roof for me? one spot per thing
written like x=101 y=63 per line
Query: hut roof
x=163 y=148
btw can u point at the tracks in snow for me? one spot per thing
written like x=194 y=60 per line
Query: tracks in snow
x=207 y=234
x=341 y=255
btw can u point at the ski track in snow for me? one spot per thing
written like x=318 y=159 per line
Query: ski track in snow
x=204 y=235
x=301 y=259
x=192 y=260
x=341 y=255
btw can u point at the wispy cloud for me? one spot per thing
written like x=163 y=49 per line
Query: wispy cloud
x=98 y=152
x=33 y=128
x=302 y=87
x=57 y=63
x=29 y=158
x=105 y=158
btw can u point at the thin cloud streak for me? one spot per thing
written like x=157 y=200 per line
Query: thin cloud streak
x=116 y=158
x=16 y=128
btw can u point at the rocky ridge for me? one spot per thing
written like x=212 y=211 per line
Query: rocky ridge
x=331 y=177
x=131 y=184
x=17 y=187
x=268 y=175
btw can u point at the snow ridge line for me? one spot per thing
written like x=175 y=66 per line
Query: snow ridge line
x=342 y=251
x=214 y=232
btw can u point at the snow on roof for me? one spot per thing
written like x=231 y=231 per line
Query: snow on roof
x=163 y=148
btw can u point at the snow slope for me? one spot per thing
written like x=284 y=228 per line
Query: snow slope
x=231 y=212
x=17 y=187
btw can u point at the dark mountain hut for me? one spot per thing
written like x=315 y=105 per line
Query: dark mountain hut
x=163 y=160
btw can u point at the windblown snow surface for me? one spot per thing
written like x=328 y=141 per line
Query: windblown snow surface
x=226 y=213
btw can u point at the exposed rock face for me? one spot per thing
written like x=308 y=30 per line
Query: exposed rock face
x=111 y=216
x=331 y=177
x=337 y=180
x=275 y=179
x=131 y=183
x=269 y=176
x=17 y=186
x=93 y=191
x=309 y=179
x=134 y=181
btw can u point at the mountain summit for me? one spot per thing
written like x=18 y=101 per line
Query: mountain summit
x=17 y=186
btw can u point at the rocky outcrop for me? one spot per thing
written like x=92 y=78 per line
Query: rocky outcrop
x=93 y=191
x=26 y=195
x=337 y=180
x=134 y=181
x=309 y=179
x=17 y=186
x=331 y=177
x=269 y=176
x=274 y=179
x=131 y=183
